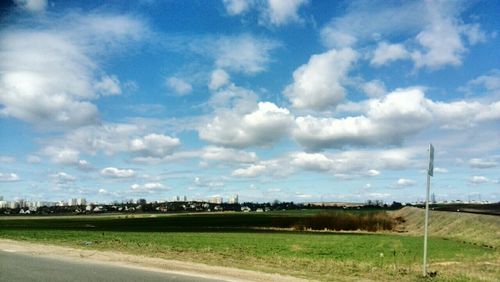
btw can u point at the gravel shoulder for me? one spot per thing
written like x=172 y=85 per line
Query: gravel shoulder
x=140 y=262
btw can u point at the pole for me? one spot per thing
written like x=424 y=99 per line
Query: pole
x=430 y=173
x=426 y=223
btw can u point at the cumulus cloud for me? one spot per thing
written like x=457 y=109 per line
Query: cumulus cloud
x=404 y=182
x=110 y=139
x=478 y=180
x=154 y=145
x=244 y=53
x=353 y=163
x=9 y=177
x=212 y=153
x=374 y=88
x=7 y=159
x=114 y=172
x=386 y=53
x=50 y=75
x=381 y=125
x=210 y=183
x=218 y=78
x=262 y=126
x=179 y=85
x=33 y=159
x=148 y=187
x=318 y=85
x=488 y=84
x=372 y=172
x=236 y=7
x=389 y=120
x=280 y=13
x=271 y=12
x=63 y=178
x=108 y=86
x=33 y=6
x=436 y=34
x=482 y=163
x=250 y=171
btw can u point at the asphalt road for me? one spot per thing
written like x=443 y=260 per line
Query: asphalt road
x=16 y=267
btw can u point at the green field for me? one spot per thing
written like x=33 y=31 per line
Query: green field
x=232 y=239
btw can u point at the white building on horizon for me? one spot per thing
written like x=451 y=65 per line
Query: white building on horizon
x=233 y=200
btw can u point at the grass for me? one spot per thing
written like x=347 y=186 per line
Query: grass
x=471 y=228
x=228 y=240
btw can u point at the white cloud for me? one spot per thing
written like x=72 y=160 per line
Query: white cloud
x=440 y=40
x=318 y=85
x=250 y=171
x=66 y=156
x=148 y=187
x=351 y=163
x=434 y=33
x=111 y=138
x=482 y=163
x=313 y=162
x=374 y=88
x=271 y=12
x=260 y=127
x=9 y=177
x=373 y=172
x=32 y=159
x=384 y=123
x=218 y=79
x=440 y=170
x=236 y=7
x=154 y=145
x=33 y=6
x=227 y=155
x=117 y=172
x=386 y=53
x=50 y=75
x=390 y=119
x=7 y=159
x=280 y=12
x=243 y=53
x=478 y=180
x=404 y=182
x=63 y=178
x=108 y=86
x=214 y=183
x=488 y=84
x=179 y=85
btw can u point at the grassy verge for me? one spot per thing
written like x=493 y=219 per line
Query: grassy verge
x=321 y=256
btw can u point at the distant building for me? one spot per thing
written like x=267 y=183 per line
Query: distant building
x=81 y=202
x=72 y=202
x=176 y=199
x=215 y=200
x=433 y=198
x=233 y=200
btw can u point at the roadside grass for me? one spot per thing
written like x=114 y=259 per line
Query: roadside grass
x=230 y=240
x=471 y=228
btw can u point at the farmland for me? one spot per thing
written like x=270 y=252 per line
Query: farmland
x=252 y=241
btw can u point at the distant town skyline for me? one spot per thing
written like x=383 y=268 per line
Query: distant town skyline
x=293 y=100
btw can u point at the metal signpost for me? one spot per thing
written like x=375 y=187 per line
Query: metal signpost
x=430 y=173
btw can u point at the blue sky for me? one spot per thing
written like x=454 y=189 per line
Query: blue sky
x=291 y=100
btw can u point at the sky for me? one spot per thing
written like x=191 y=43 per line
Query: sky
x=291 y=100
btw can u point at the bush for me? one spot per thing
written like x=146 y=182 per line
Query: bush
x=346 y=221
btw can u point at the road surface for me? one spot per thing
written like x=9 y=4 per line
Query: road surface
x=17 y=267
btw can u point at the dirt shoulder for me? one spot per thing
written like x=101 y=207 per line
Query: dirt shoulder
x=140 y=262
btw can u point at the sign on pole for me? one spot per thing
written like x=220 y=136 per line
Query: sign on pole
x=431 y=160
x=430 y=173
